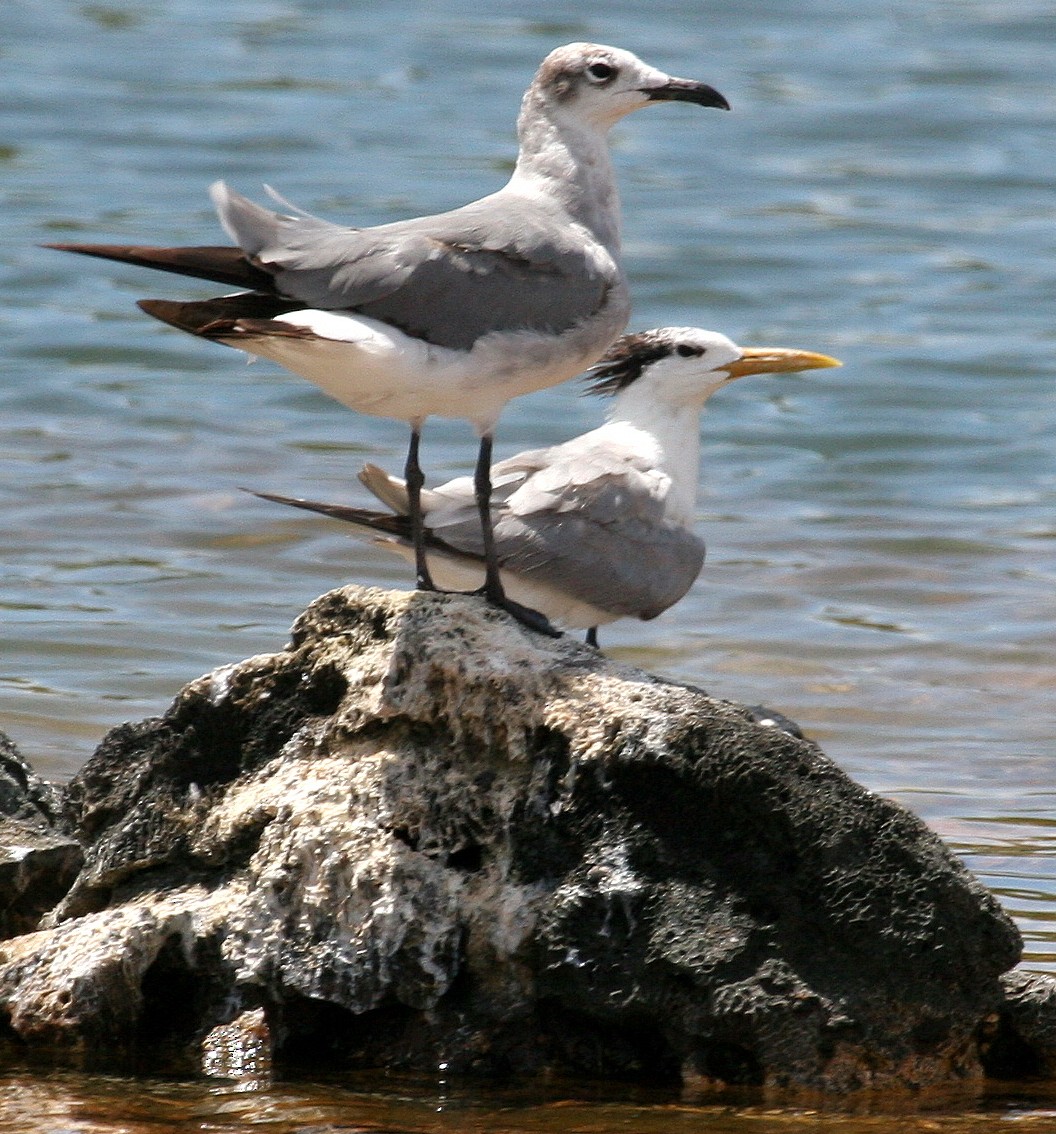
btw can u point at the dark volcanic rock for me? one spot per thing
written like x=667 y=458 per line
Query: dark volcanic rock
x=38 y=862
x=423 y=835
x=1019 y=1041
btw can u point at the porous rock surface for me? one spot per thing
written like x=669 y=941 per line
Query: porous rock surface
x=424 y=835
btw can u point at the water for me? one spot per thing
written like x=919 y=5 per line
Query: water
x=61 y=1103
x=882 y=538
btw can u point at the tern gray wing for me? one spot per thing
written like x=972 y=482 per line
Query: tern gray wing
x=589 y=522
x=494 y=265
x=629 y=568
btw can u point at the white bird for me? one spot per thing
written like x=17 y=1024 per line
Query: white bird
x=451 y=314
x=599 y=527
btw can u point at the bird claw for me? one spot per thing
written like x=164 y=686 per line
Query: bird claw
x=532 y=619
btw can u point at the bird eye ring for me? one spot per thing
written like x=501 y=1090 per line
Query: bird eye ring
x=601 y=73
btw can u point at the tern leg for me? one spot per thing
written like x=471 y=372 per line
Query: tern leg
x=414 y=477
x=592 y=637
x=493 y=590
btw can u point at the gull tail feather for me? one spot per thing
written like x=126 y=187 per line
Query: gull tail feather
x=436 y=502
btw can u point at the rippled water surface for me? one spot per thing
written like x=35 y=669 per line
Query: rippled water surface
x=882 y=538
x=71 y=1104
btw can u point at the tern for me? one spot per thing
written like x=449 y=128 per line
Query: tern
x=453 y=314
x=599 y=527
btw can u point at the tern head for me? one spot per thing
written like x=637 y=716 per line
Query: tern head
x=600 y=84
x=684 y=366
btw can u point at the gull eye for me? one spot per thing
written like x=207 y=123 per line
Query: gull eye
x=687 y=351
x=601 y=73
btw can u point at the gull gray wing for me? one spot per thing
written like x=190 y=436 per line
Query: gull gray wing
x=494 y=265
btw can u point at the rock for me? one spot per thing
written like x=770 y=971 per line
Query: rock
x=23 y=794
x=422 y=834
x=1019 y=1040
x=240 y=1050
x=38 y=862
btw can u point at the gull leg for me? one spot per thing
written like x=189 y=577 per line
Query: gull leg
x=412 y=472
x=592 y=637
x=493 y=589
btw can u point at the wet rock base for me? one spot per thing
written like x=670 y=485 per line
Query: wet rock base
x=422 y=835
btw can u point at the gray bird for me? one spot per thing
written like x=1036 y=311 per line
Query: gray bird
x=599 y=527
x=451 y=314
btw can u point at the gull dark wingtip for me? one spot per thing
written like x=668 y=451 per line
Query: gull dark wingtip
x=226 y=316
x=122 y=252
x=205 y=319
x=218 y=263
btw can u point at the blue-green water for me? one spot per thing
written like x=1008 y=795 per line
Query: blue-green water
x=882 y=538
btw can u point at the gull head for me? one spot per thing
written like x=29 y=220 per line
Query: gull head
x=684 y=366
x=600 y=84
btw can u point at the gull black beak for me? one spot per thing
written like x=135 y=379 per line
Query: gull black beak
x=687 y=90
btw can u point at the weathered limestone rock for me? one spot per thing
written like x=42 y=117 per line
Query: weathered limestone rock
x=38 y=862
x=423 y=835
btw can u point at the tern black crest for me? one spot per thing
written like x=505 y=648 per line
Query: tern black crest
x=624 y=362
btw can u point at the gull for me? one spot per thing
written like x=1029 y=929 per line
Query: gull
x=450 y=315
x=599 y=527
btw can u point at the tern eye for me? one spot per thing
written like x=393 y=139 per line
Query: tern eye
x=688 y=351
x=601 y=73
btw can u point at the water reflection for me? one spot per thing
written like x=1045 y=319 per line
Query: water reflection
x=391 y=1104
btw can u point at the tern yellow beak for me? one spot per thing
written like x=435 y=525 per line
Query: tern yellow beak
x=778 y=360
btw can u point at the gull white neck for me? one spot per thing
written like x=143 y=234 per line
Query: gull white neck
x=568 y=160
